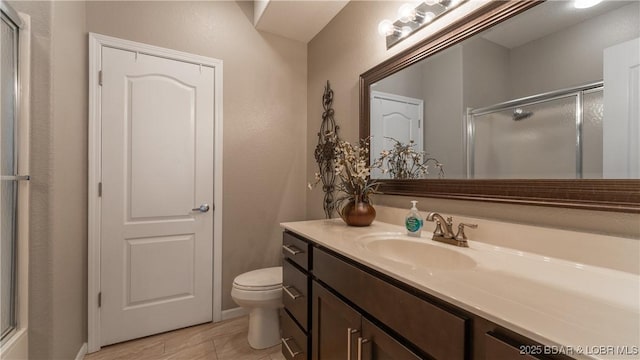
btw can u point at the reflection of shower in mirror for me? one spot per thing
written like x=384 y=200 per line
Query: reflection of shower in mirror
x=564 y=141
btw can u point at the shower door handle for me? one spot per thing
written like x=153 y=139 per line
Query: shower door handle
x=15 y=177
x=203 y=208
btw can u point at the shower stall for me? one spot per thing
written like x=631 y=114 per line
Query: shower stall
x=554 y=135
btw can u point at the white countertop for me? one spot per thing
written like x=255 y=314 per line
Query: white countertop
x=586 y=312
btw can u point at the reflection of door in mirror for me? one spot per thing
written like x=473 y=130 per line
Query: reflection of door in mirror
x=393 y=117
x=621 y=133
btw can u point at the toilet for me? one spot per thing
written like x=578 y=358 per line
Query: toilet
x=260 y=291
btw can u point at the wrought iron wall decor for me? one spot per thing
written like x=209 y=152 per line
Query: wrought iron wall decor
x=324 y=153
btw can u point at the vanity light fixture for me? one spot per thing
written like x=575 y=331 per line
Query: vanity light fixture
x=413 y=17
x=584 y=4
x=387 y=28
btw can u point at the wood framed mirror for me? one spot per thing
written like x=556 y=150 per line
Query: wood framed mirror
x=605 y=193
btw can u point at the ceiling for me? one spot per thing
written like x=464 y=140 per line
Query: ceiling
x=298 y=20
x=543 y=20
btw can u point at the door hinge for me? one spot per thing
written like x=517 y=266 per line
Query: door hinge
x=100 y=299
x=419 y=123
x=99 y=189
x=100 y=77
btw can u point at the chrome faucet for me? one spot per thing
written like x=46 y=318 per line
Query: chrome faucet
x=446 y=235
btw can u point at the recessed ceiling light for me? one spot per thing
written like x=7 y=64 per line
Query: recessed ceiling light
x=583 y=4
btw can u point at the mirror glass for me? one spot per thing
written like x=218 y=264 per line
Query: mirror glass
x=552 y=93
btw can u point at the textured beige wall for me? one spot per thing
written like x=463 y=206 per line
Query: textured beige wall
x=443 y=88
x=57 y=256
x=264 y=114
x=68 y=160
x=350 y=45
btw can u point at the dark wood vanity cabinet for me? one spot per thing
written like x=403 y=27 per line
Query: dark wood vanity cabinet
x=337 y=308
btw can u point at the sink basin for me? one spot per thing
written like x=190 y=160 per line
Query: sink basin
x=418 y=253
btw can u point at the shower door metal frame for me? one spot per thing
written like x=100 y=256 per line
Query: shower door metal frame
x=577 y=91
x=14 y=343
x=13 y=21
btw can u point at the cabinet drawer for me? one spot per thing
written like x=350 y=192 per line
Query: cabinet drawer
x=295 y=249
x=295 y=293
x=436 y=331
x=294 y=341
x=497 y=347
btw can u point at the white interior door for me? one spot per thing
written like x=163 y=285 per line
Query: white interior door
x=397 y=117
x=157 y=165
x=621 y=125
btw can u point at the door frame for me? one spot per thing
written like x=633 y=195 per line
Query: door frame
x=96 y=42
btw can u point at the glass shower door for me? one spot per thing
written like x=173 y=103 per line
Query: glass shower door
x=556 y=135
x=535 y=141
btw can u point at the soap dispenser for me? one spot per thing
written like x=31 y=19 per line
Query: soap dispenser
x=413 y=221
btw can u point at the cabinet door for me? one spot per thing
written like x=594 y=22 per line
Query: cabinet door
x=500 y=347
x=375 y=344
x=336 y=326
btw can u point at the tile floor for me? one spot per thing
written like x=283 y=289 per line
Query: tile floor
x=221 y=341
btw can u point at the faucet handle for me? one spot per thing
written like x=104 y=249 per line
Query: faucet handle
x=461 y=235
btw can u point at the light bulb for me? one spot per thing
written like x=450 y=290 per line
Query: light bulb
x=405 y=31
x=583 y=4
x=386 y=28
x=406 y=13
x=428 y=17
x=452 y=4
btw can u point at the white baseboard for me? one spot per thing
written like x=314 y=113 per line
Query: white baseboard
x=82 y=352
x=234 y=313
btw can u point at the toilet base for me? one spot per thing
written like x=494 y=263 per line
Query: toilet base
x=264 y=328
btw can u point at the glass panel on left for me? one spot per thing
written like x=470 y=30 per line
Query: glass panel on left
x=8 y=187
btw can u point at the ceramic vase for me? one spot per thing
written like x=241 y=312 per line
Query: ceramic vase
x=358 y=213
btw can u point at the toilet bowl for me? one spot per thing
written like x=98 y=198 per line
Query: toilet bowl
x=260 y=291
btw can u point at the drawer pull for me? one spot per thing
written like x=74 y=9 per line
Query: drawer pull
x=292 y=249
x=291 y=295
x=350 y=332
x=291 y=352
x=361 y=342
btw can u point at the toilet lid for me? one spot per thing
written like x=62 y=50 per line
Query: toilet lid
x=261 y=279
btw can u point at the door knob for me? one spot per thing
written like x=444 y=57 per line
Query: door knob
x=203 y=208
